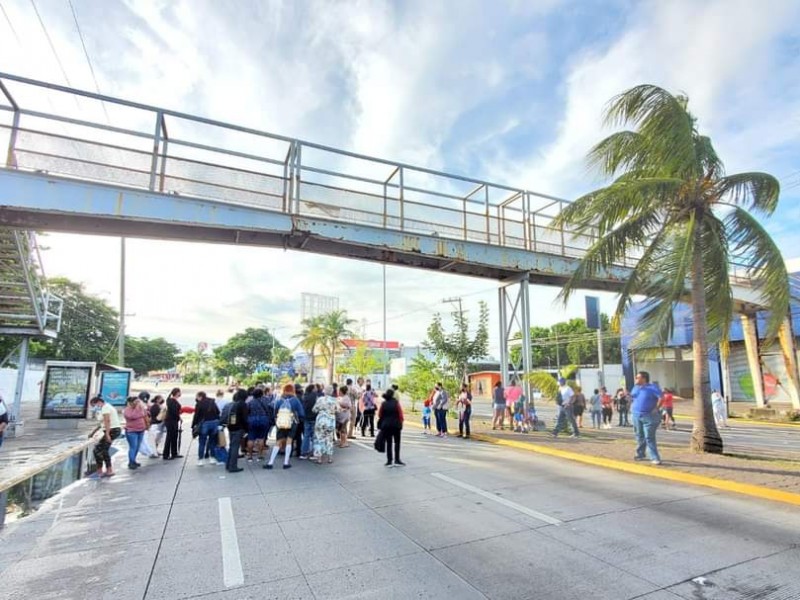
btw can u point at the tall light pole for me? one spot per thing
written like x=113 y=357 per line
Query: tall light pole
x=121 y=349
x=385 y=349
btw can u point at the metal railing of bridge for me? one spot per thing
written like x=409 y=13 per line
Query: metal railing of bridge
x=55 y=129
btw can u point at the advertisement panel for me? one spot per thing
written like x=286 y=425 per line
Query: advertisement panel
x=66 y=389
x=115 y=386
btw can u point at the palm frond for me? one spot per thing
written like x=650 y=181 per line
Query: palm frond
x=763 y=261
x=706 y=158
x=664 y=123
x=716 y=278
x=754 y=191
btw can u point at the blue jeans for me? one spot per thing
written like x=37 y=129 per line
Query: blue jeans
x=597 y=415
x=134 y=441
x=645 y=427
x=441 y=420
x=234 y=445
x=308 y=437
x=567 y=413
x=208 y=438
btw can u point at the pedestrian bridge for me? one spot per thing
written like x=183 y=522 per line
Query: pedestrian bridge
x=85 y=163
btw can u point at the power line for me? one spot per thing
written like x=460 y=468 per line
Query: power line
x=52 y=46
x=88 y=60
x=10 y=25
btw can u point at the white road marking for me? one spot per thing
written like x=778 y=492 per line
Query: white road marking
x=232 y=574
x=499 y=499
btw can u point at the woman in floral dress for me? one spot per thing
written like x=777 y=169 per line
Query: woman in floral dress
x=325 y=426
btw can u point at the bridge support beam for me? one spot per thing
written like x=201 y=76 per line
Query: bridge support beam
x=789 y=351
x=515 y=314
x=750 y=332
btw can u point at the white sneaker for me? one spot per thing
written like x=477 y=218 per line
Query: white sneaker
x=201 y=462
x=212 y=461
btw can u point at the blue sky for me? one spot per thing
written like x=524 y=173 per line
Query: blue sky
x=510 y=92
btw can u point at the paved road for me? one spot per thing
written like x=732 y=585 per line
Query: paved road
x=745 y=438
x=463 y=520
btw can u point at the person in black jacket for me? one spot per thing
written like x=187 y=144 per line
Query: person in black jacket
x=309 y=422
x=206 y=415
x=390 y=423
x=237 y=425
x=171 y=424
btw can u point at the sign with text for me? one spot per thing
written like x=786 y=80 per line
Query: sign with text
x=115 y=386
x=66 y=389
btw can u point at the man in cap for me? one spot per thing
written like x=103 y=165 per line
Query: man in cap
x=566 y=410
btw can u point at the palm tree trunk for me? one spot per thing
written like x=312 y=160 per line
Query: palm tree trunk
x=311 y=370
x=331 y=366
x=705 y=436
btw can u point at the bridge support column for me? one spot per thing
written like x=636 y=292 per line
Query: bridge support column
x=22 y=366
x=515 y=313
x=750 y=331
x=789 y=351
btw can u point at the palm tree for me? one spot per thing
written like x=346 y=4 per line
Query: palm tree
x=312 y=337
x=672 y=205
x=193 y=361
x=335 y=327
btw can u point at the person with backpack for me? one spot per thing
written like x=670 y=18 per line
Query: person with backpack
x=368 y=408
x=259 y=421
x=441 y=401
x=234 y=417
x=288 y=413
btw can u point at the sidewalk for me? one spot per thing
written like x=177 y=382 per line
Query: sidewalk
x=39 y=447
x=614 y=448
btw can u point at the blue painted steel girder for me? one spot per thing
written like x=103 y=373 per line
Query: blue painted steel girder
x=41 y=201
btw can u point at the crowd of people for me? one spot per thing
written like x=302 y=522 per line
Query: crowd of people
x=306 y=422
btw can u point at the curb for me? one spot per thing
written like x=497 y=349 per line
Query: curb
x=746 y=489
x=7 y=484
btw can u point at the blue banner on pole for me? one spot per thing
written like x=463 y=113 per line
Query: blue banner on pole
x=592 y=312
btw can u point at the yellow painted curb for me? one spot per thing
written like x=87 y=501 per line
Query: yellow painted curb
x=746 y=489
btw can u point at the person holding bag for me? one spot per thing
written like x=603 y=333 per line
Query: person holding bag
x=206 y=422
x=390 y=424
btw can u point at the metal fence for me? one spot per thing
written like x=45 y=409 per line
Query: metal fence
x=56 y=130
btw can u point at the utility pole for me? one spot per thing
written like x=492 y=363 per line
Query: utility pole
x=454 y=299
x=602 y=373
x=385 y=349
x=121 y=351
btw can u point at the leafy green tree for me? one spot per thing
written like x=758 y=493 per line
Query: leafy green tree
x=335 y=328
x=246 y=350
x=312 y=339
x=456 y=349
x=672 y=205
x=418 y=382
x=364 y=361
x=144 y=354
x=281 y=355
x=89 y=326
x=193 y=363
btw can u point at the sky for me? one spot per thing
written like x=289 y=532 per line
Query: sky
x=506 y=91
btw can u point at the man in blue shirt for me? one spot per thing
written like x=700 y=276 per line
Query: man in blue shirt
x=645 y=416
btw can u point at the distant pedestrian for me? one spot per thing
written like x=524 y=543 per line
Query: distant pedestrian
x=172 y=425
x=390 y=423
x=220 y=400
x=354 y=391
x=720 y=410
x=3 y=419
x=596 y=408
x=297 y=442
x=368 y=408
x=441 y=403
x=645 y=416
x=112 y=429
x=498 y=406
x=578 y=406
x=608 y=410
x=344 y=414
x=259 y=421
x=464 y=406
x=324 y=410
x=310 y=398
x=136 y=423
x=665 y=405
x=158 y=412
x=566 y=411
x=427 y=412
x=512 y=395
x=622 y=403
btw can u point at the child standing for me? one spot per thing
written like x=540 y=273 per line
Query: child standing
x=427 y=411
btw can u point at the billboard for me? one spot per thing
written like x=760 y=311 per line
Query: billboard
x=115 y=386
x=66 y=390
x=592 y=312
